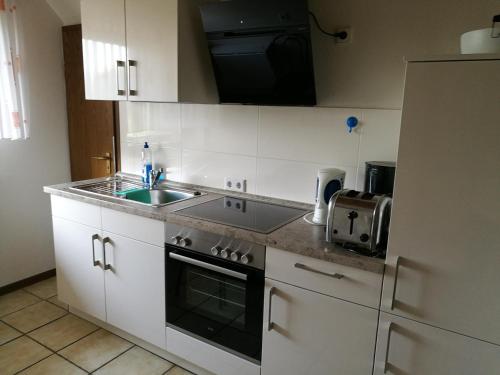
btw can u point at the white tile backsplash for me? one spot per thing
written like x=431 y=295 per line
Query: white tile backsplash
x=308 y=134
x=220 y=128
x=277 y=149
x=209 y=168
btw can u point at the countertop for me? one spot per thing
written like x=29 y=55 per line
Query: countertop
x=297 y=237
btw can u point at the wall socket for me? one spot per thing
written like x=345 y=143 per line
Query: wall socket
x=235 y=184
x=347 y=40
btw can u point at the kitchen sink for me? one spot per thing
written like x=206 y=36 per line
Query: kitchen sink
x=158 y=197
x=132 y=190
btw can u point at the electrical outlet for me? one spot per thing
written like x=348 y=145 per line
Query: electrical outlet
x=235 y=184
x=347 y=40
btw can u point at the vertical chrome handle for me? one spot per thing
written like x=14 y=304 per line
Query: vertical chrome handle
x=387 y=346
x=104 y=242
x=95 y=262
x=132 y=63
x=270 y=324
x=398 y=258
x=119 y=64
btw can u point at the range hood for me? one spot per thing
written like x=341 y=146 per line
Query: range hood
x=261 y=51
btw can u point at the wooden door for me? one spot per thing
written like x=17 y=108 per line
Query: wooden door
x=80 y=281
x=91 y=123
x=152 y=50
x=443 y=258
x=408 y=347
x=135 y=288
x=316 y=334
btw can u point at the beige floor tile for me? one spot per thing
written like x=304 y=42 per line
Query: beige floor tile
x=19 y=354
x=43 y=289
x=178 y=371
x=7 y=333
x=53 y=365
x=56 y=301
x=63 y=332
x=34 y=316
x=93 y=351
x=14 y=301
x=136 y=361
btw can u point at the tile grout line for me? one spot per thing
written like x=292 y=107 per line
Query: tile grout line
x=112 y=359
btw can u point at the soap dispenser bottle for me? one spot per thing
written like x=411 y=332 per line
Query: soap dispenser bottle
x=147 y=163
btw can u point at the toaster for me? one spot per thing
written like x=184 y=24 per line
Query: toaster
x=359 y=221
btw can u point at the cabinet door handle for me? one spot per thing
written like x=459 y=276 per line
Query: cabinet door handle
x=387 y=346
x=104 y=242
x=119 y=64
x=132 y=64
x=335 y=275
x=270 y=324
x=398 y=258
x=95 y=262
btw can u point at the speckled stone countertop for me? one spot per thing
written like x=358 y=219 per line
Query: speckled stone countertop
x=298 y=236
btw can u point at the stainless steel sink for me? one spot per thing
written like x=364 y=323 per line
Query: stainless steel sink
x=132 y=190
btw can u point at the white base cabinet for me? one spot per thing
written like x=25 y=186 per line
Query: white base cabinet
x=315 y=334
x=408 y=347
x=125 y=287
x=80 y=283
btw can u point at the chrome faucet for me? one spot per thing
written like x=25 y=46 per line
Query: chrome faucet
x=154 y=178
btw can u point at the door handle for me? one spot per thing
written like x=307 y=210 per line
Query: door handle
x=119 y=64
x=105 y=240
x=132 y=64
x=107 y=157
x=387 y=346
x=396 y=272
x=270 y=324
x=95 y=262
x=208 y=266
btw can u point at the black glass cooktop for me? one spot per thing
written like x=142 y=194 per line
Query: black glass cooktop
x=243 y=213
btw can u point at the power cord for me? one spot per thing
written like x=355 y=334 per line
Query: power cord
x=341 y=34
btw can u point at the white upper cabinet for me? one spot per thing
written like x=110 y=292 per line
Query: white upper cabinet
x=146 y=50
x=443 y=261
x=104 y=49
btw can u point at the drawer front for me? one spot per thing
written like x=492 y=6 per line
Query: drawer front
x=348 y=283
x=79 y=212
x=132 y=226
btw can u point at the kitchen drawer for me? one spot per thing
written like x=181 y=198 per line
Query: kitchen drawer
x=356 y=285
x=133 y=226
x=79 y=212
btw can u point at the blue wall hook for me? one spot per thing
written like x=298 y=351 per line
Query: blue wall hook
x=351 y=123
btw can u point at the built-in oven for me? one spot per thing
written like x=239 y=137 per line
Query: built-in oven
x=215 y=290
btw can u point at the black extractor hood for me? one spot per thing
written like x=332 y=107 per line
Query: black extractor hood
x=261 y=51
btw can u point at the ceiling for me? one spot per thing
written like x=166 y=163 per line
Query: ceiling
x=67 y=10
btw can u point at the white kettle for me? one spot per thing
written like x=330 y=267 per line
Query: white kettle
x=328 y=182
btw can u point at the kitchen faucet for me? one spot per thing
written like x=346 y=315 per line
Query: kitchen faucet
x=154 y=178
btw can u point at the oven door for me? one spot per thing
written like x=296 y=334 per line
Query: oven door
x=215 y=300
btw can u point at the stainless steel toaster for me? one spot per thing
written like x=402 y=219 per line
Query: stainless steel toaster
x=359 y=221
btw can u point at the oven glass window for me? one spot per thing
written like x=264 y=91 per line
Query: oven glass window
x=214 y=306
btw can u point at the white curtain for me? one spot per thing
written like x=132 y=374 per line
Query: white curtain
x=13 y=99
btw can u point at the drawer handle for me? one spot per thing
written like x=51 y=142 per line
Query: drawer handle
x=335 y=275
x=270 y=324
x=387 y=346
x=396 y=274
x=104 y=242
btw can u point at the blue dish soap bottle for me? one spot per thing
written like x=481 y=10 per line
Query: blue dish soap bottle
x=147 y=163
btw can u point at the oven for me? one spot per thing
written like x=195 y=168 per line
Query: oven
x=216 y=300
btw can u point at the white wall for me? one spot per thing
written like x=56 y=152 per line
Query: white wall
x=26 y=166
x=277 y=149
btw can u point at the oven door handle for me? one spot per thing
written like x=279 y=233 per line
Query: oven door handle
x=208 y=266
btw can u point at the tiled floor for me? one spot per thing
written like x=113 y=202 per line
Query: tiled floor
x=39 y=336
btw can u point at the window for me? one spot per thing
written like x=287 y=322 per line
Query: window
x=13 y=114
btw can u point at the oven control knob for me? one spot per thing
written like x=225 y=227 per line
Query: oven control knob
x=246 y=258
x=226 y=253
x=235 y=256
x=185 y=242
x=176 y=240
x=216 y=250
